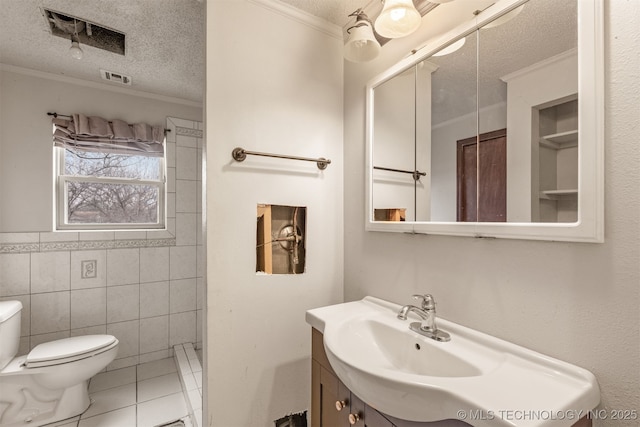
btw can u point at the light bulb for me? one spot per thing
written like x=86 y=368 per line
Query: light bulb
x=398 y=14
x=398 y=18
x=75 y=50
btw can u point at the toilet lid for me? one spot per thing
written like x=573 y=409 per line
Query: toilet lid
x=68 y=350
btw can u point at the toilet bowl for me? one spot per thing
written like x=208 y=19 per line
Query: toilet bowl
x=51 y=382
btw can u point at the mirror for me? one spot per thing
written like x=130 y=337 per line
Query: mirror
x=494 y=130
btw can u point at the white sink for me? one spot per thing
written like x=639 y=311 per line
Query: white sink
x=475 y=377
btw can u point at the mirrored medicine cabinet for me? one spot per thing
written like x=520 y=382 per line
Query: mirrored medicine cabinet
x=495 y=129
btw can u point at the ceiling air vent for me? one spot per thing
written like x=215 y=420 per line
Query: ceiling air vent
x=88 y=33
x=115 y=77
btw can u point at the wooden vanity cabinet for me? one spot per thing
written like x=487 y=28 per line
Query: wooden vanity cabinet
x=334 y=405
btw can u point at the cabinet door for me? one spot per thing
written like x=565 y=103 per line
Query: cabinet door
x=332 y=392
x=374 y=418
x=362 y=415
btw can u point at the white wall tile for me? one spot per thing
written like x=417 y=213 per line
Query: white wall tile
x=171 y=154
x=14 y=274
x=154 y=334
x=49 y=237
x=90 y=330
x=96 y=235
x=123 y=266
x=200 y=261
x=123 y=303
x=88 y=307
x=171 y=227
x=199 y=197
x=200 y=293
x=19 y=237
x=186 y=196
x=183 y=262
x=187 y=141
x=100 y=279
x=186 y=229
x=186 y=163
x=128 y=335
x=130 y=235
x=154 y=264
x=182 y=328
x=24 y=346
x=199 y=323
x=171 y=180
x=154 y=299
x=171 y=205
x=50 y=271
x=182 y=295
x=50 y=312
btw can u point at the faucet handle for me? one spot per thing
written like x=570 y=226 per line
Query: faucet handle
x=428 y=303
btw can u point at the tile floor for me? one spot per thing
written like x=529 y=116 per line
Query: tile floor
x=146 y=395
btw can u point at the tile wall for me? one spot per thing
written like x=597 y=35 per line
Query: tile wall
x=145 y=288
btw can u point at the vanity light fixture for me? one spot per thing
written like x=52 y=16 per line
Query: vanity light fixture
x=398 y=18
x=361 y=46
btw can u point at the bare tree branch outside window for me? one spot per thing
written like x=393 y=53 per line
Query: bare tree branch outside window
x=118 y=198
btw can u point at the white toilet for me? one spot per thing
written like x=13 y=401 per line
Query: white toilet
x=51 y=382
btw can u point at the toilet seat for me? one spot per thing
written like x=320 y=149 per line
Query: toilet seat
x=68 y=350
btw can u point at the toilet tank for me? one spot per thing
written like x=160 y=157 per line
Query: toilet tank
x=9 y=330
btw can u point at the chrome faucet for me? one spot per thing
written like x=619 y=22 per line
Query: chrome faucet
x=427 y=312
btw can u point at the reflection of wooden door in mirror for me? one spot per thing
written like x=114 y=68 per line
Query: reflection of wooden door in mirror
x=486 y=176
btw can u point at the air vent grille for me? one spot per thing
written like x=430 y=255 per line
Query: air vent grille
x=89 y=33
x=115 y=77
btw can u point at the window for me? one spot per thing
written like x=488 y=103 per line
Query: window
x=105 y=190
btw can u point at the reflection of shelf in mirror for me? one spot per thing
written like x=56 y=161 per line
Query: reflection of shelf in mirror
x=558 y=194
x=560 y=140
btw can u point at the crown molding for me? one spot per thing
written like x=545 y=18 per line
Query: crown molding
x=300 y=16
x=96 y=85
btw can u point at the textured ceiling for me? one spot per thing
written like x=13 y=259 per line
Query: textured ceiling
x=165 y=39
x=164 y=52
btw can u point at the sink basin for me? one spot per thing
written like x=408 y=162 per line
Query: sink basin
x=475 y=377
x=388 y=346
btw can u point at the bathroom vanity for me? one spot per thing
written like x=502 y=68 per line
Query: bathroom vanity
x=333 y=404
x=370 y=369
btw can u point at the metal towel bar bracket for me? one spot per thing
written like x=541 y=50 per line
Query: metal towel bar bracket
x=239 y=154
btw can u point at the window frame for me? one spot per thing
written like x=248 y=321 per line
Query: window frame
x=61 y=205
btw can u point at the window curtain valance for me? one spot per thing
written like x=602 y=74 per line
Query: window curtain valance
x=115 y=136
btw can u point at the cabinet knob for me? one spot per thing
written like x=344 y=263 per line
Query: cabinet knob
x=340 y=404
x=353 y=418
